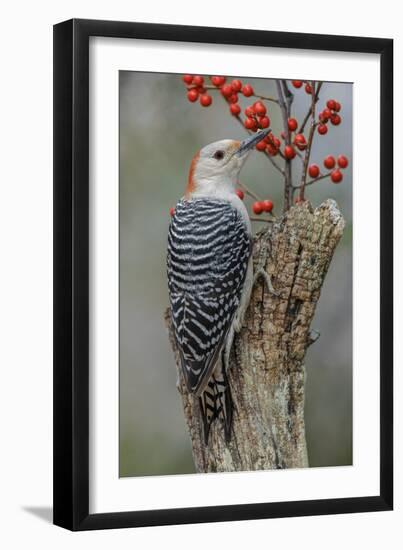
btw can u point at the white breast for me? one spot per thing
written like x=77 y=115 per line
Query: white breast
x=227 y=193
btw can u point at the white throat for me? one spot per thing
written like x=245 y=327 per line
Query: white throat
x=213 y=186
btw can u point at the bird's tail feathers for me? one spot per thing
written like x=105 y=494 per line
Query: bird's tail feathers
x=216 y=403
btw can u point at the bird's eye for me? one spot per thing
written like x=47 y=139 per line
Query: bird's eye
x=219 y=155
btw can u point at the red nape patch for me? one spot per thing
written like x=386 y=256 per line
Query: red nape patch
x=191 y=185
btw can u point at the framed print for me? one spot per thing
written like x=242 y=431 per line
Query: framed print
x=223 y=274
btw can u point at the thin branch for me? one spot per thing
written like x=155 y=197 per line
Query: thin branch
x=289 y=96
x=300 y=156
x=287 y=171
x=274 y=163
x=310 y=182
x=316 y=99
x=309 y=145
x=266 y=98
x=253 y=219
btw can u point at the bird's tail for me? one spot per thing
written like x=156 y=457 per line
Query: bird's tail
x=216 y=403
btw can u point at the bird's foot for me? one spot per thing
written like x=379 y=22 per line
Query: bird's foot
x=266 y=277
x=313 y=336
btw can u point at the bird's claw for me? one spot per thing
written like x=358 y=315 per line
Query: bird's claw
x=313 y=336
x=262 y=273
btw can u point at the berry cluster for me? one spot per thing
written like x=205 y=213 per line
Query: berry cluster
x=300 y=83
x=330 y=113
x=230 y=92
x=259 y=206
x=291 y=141
x=330 y=163
x=197 y=90
x=269 y=144
x=262 y=206
x=256 y=117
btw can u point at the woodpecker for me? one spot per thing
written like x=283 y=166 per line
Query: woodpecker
x=210 y=273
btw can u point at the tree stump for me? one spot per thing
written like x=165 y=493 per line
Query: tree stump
x=267 y=374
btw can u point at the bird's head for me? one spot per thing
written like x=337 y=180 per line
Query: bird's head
x=214 y=170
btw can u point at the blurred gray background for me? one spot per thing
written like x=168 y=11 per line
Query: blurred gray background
x=160 y=131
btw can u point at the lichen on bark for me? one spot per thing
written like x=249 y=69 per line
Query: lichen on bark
x=267 y=373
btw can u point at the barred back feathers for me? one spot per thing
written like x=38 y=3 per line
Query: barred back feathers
x=209 y=247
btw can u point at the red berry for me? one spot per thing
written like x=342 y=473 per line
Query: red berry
x=233 y=98
x=322 y=129
x=264 y=122
x=193 y=94
x=267 y=206
x=336 y=176
x=314 y=170
x=283 y=135
x=236 y=85
x=260 y=108
x=250 y=111
x=205 y=100
x=292 y=124
x=271 y=150
x=331 y=104
x=308 y=88
x=235 y=109
x=335 y=119
x=327 y=113
x=261 y=145
x=273 y=140
x=257 y=207
x=297 y=83
x=218 y=80
x=198 y=80
x=171 y=211
x=342 y=161
x=240 y=194
x=337 y=107
x=247 y=90
x=329 y=162
x=250 y=123
x=300 y=141
x=226 y=90
x=289 y=152
x=187 y=78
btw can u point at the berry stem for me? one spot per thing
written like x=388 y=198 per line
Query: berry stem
x=249 y=192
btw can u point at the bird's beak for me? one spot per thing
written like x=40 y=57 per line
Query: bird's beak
x=248 y=143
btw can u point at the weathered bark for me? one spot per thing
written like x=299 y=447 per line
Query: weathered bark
x=267 y=374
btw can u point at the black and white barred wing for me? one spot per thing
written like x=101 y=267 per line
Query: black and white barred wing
x=208 y=254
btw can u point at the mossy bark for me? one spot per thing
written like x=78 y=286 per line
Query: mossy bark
x=267 y=374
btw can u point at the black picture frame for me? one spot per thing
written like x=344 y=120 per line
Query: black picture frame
x=71 y=274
